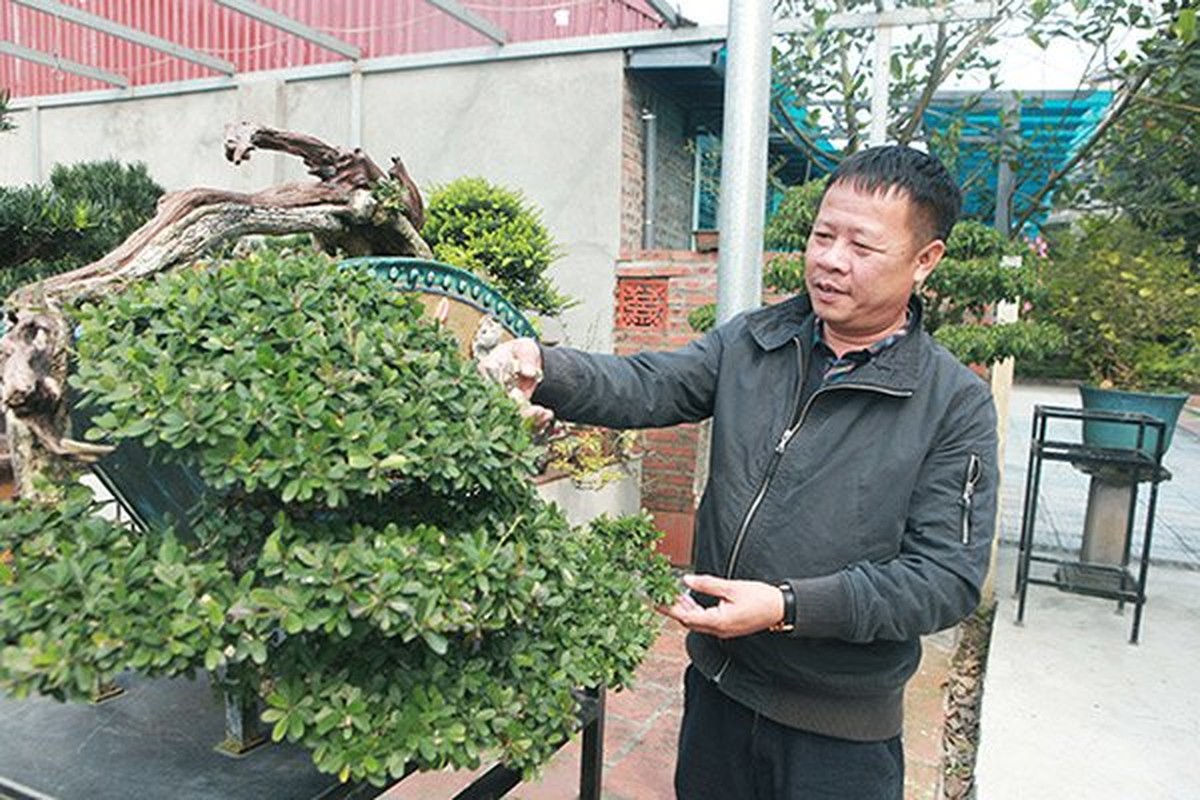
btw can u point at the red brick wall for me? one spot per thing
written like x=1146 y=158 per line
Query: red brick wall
x=673 y=196
x=671 y=462
x=672 y=469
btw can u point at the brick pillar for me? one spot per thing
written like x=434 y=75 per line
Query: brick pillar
x=656 y=291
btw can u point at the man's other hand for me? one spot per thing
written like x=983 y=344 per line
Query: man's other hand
x=517 y=366
x=743 y=607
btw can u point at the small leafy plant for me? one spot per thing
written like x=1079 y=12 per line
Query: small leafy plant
x=592 y=456
x=371 y=559
x=499 y=235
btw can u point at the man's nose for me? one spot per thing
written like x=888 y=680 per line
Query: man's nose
x=834 y=258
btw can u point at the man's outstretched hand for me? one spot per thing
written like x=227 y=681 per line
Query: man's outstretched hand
x=744 y=607
x=517 y=366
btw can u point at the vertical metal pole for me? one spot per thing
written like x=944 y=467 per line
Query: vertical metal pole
x=744 y=158
x=35 y=138
x=697 y=184
x=649 y=175
x=881 y=73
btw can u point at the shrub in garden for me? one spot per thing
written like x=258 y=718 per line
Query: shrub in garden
x=372 y=559
x=958 y=295
x=971 y=278
x=85 y=211
x=497 y=234
x=1129 y=301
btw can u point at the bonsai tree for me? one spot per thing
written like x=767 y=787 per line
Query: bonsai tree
x=499 y=235
x=1129 y=303
x=370 y=557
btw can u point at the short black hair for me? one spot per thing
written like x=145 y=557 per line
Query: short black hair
x=929 y=185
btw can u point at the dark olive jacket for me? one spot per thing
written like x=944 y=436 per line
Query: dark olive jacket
x=876 y=501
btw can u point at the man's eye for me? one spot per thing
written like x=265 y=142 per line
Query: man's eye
x=822 y=236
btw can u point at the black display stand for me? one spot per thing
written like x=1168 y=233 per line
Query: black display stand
x=157 y=738
x=1139 y=464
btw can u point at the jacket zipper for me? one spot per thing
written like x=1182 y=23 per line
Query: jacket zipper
x=798 y=419
x=777 y=455
x=974 y=473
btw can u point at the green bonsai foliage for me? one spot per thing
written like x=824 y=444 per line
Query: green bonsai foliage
x=85 y=211
x=499 y=235
x=958 y=296
x=372 y=559
x=789 y=227
x=969 y=281
x=1130 y=304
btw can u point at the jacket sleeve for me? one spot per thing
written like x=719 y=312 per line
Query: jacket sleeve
x=937 y=578
x=647 y=390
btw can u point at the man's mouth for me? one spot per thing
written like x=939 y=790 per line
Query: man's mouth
x=825 y=287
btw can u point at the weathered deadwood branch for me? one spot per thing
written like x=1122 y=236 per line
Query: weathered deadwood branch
x=340 y=210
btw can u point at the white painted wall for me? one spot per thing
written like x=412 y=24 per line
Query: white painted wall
x=550 y=127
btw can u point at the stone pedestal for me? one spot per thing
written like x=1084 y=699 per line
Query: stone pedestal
x=1106 y=524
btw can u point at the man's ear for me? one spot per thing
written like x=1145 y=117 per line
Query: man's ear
x=926 y=259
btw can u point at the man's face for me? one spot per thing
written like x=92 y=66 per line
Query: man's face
x=864 y=255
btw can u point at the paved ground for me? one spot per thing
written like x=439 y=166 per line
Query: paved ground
x=1070 y=709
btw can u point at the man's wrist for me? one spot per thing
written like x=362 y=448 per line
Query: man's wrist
x=787 y=623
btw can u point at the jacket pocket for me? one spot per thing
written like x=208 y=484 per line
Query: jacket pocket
x=967 y=497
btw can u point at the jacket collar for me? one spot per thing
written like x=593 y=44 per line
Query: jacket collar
x=896 y=367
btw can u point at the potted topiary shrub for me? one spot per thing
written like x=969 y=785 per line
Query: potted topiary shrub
x=1129 y=303
x=498 y=234
x=370 y=557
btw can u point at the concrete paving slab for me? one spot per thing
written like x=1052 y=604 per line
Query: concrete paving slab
x=1072 y=710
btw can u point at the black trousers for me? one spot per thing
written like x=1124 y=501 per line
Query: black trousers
x=728 y=752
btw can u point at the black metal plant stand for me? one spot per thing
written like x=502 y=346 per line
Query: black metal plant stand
x=1102 y=569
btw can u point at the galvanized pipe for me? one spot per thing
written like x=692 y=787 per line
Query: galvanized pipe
x=649 y=175
x=744 y=158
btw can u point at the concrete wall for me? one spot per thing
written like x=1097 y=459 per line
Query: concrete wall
x=550 y=127
x=17 y=149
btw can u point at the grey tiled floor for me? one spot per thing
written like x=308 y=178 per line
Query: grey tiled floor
x=1062 y=498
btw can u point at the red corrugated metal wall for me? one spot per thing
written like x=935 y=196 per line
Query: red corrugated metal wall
x=378 y=27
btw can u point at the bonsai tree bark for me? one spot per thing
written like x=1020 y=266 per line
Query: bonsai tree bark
x=354 y=207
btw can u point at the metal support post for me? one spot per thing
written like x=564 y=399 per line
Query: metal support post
x=744 y=158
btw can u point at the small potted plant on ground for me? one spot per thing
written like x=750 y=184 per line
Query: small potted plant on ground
x=1130 y=305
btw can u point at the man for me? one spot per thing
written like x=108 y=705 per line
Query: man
x=851 y=498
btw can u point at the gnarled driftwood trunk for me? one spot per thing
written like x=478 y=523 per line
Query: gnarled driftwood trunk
x=341 y=210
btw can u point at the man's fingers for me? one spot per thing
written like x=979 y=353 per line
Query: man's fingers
x=708 y=584
x=541 y=417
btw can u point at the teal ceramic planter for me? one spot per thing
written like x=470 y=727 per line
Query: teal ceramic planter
x=1119 y=435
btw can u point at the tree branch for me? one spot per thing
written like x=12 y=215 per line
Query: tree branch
x=1116 y=111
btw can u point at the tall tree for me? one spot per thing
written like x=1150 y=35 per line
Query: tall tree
x=827 y=72
x=1149 y=165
